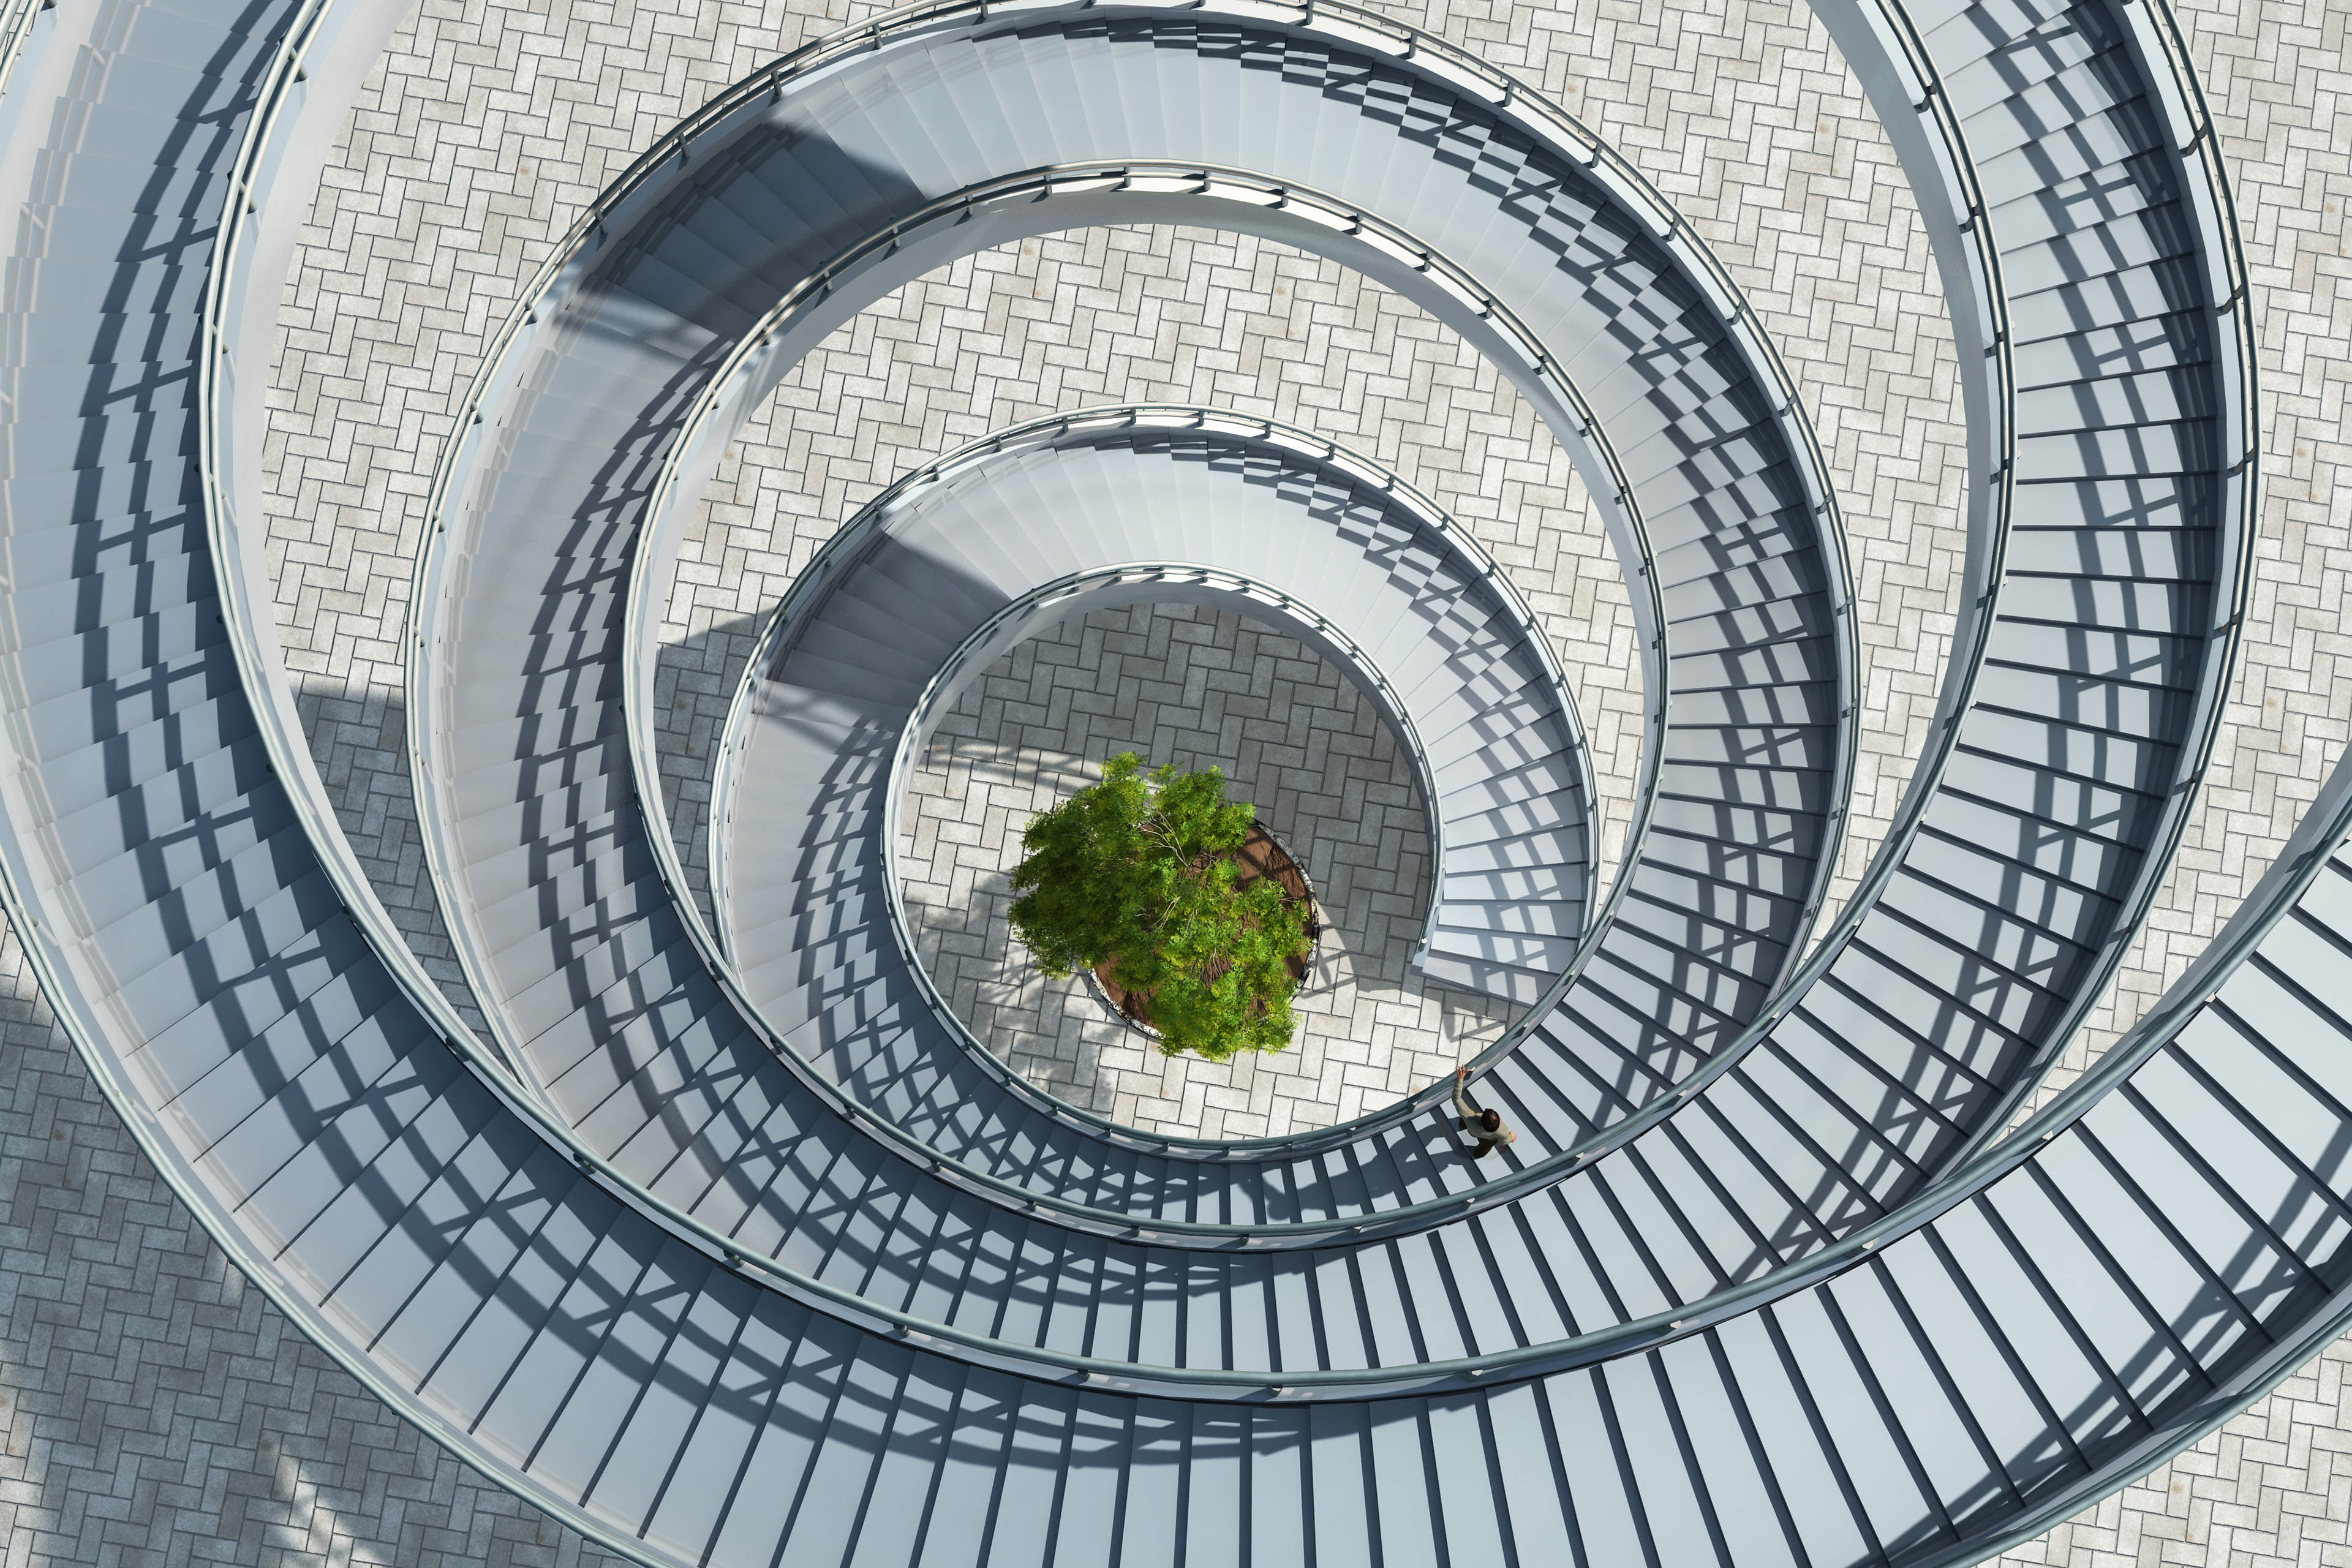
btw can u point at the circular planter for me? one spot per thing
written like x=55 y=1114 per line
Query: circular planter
x=1261 y=855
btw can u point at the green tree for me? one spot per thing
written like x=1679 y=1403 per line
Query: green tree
x=1138 y=871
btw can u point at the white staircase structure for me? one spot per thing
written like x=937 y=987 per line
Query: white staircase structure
x=729 y=1248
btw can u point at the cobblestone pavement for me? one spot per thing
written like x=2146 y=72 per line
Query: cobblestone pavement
x=156 y=1408
x=1295 y=739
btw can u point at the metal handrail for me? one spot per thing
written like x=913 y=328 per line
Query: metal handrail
x=1458 y=1373
x=2177 y=86
x=1174 y=180
x=1970 y=1175
x=1954 y=1188
x=1356 y=25
x=290 y=757
x=1658 y=1108
x=1934 y=101
x=1456 y=68
x=1173 y=418
x=53 y=971
x=2000 y=349
x=1208 y=421
x=907 y=1146
x=1179 y=179
x=17 y=19
x=2272 y=905
x=983 y=643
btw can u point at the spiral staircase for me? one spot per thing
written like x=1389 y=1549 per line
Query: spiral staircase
x=726 y=1241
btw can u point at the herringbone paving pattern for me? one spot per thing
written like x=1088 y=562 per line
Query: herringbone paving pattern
x=2271 y=1487
x=157 y=1407
x=1295 y=739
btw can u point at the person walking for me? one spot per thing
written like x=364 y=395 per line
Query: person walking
x=1485 y=1129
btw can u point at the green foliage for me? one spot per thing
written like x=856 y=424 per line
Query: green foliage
x=1139 y=869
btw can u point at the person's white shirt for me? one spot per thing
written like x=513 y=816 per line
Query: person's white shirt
x=1473 y=1120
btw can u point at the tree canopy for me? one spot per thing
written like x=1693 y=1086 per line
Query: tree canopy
x=1138 y=871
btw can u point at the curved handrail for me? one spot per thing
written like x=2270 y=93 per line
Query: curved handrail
x=1668 y=230
x=2271 y=905
x=1184 y=179
x=1964 y=1178
x=1853 y=1246
x=1175 y=418
x=17 y=19
x=1025 y=188
x=1275 y=434
x=53 y=971
x=291 y=760
x=1501 y=89
x=1639 y=1121
x=2287 y=882
x=1456 y=68
x=1175 y=180
x=1623 y=1132
x=1958 y=693
x=2222 y=250
x=1194 y=179
x=982 y=642
x=1172 y=180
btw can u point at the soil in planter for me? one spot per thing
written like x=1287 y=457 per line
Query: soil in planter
x=1259 y=858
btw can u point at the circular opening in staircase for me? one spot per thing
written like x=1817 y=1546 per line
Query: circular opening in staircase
x=1262 y=856
x=777 y=502
x=1196 y=686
